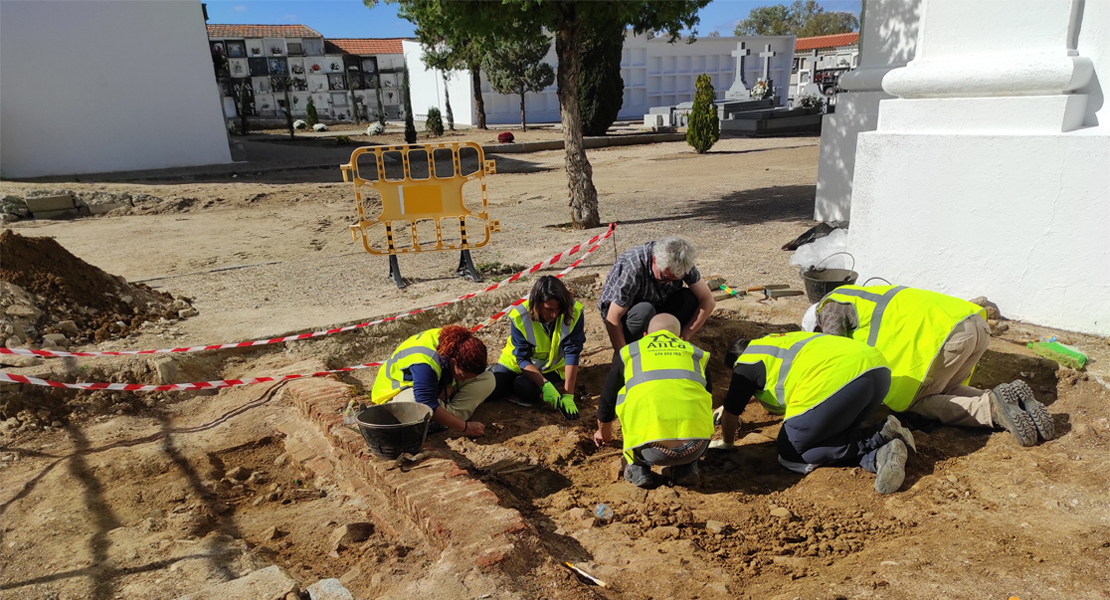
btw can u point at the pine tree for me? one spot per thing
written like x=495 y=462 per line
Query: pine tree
x=410 y=126
x=704 y=129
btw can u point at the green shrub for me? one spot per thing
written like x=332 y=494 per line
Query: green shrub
x=434 y=124
x=600 y=86
x=310 y=108
x=704 y=128
x=342 y=140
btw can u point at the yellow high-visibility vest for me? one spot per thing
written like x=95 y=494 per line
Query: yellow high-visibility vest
x=804 y=369
x=909 y=326
x=664 y=395
x=547 y=353
x=418 y=349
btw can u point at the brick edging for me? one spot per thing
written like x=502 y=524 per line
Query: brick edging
x=458 y=514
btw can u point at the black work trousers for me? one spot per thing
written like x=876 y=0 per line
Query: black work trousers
x=683 y=304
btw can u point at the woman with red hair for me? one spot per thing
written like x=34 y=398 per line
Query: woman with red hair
x=443 y=369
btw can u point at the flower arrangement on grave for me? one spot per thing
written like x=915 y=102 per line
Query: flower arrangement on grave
x=256 y=51
x=275 y=50
x=300 y=124
x=761 y=90
x=335 y=67
x=375 y=129
x=238 y=67
x=811 y=101
x=298 y=69
x=315 y=67
x=505 y=137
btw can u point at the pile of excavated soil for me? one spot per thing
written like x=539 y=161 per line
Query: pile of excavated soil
x=65 y=288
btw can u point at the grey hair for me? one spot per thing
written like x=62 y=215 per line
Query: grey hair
x=674 y=254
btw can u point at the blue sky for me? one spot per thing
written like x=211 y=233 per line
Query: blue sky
x=349 y=18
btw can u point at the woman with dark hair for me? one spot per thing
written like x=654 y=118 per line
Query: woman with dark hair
x=443 y=369
x=545 y=339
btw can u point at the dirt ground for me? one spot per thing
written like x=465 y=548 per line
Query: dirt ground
x=129 y=495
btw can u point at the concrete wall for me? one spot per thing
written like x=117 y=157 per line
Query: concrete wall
x=888 y=41
x=427 y=88
x=94 y=86
x=977 y=182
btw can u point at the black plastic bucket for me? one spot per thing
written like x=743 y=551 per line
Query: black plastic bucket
x=394 y=428
x=820 y=282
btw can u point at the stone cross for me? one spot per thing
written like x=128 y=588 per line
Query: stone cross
x=767 y=55
x=740 y=53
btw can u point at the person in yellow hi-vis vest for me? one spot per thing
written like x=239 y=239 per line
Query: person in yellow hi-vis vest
x=541 y=354
x=659 y=389
x=931 y=342
x=825 y=387
x=443 y=369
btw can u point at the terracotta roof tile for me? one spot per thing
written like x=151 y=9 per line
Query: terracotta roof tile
x=262 y=31
x=826 y=41
x=363 y=45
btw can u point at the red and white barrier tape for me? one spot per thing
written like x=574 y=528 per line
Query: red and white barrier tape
x=536 y=267
x=201 y=385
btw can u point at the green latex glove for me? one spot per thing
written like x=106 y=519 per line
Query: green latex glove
x=550 y=394
x=568 y=408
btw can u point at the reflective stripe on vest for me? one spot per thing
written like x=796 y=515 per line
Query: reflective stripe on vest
x=881 y=302
x=909 y=326
x=639 y=376
x=521 y=319
x=814 y=366
x=664 y=396
x=419 y=348
x=787 y=356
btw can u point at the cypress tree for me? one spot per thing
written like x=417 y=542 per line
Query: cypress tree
x=381 y=107
x=704 y=129
x=310 y=108
x=410 y=126
x=600 y=86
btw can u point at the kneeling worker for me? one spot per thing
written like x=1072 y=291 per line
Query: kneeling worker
x=825 y=387
x=659 y=391
x=443 y=369
x=932 y=342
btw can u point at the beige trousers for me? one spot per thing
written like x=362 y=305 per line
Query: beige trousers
x=942 y=395
x=465 y=401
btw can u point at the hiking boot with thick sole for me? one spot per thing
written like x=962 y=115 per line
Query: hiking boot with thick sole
x=639 y=475
x=1007 y=413
x=685 y=475
x=894 y=430
x=891 y=463
x=1037 y=412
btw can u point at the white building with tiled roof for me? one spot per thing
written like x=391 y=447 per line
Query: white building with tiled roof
x=821 y=60
x=338 y=75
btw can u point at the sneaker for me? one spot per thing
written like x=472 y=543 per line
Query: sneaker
x=686 y=475
x=1037 y=412
x=891 y=463
x=639 y=475
x=1007 y=413
x=893 y=430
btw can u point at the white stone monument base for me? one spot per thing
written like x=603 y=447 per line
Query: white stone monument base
x=1022 y=219
x=855 y=112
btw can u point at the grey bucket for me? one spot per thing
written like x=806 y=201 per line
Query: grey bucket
x=820 y=282
x=394 y=428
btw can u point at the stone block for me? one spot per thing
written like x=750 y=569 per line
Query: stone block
x=99 y=209
x=56 y=214
x=54 y=339
x=49 y=203
x=329 y=589
x=268 y=583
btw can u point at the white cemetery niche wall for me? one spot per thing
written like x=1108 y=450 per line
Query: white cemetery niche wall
x=989 y=168
x=888 y=41
x=428 y=88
